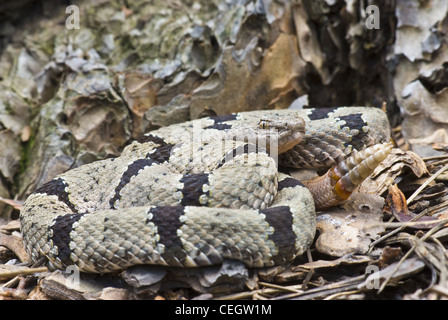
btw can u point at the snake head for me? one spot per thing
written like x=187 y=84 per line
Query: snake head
x=282 y=133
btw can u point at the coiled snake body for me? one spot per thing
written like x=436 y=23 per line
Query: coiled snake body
x=196 y=193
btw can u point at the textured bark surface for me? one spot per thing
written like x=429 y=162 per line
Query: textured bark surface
x=70 y=96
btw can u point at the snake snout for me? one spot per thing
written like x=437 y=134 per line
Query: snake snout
x=283 y=124
x=282 y=133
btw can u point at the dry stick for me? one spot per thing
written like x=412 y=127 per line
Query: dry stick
x=341 y=294
x=258 y=296
x=439 y=289
x=249 y=294
x=423 y=238
x=438 y=226
x=307 y=279
x=393 y=232
x=424 y=185
x=310 y=272
x=10 y=274
x=281 y=288
x=443 y=271
x=13 y=282
x=437 y=207
x=435 y=158
x=348 y=284
x=407 y=223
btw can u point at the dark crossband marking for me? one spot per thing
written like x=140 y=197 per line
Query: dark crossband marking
x=131 y=171
x=319 y=114
x=167 y=220
x=355 y=122
x=152 y=138
x=289 y=183
x=218 y=122
x=245 y=149
x=161 y=154
x=56 y=187
x=60 y=235
x=284 y=238
x=192 y=189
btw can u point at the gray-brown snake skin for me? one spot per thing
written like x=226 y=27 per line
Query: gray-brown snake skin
x=183 y=197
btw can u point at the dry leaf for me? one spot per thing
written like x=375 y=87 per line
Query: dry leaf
x=57 y=285
x=265 y=80
x=394 y=273
x=12 y=225
x=396 y=205
x=14 y=244
x=13 y=203
x=396 y=164
x=343 y=231
x=344 y=260
x=414 y=28
x=140 y=93
x=388 y=256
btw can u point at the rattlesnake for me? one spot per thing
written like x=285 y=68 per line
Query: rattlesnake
x=196 y=193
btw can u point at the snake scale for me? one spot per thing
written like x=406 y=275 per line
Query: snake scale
x=196 y=193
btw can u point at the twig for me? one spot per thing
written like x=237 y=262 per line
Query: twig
x=426 y=183
x=414 y=246
x=332 y=288
x=249 y=294
x=405 y=224
x=439 y=289
x=435 y=158
x=13 y=273
x=339 y=294
x=307 y=279
x=11 y=283
x=284 y=288
x=393 y=232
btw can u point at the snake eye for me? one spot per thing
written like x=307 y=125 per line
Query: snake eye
x=264 y=124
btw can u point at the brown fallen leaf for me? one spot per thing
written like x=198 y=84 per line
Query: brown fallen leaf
x=37 y=294
x=393 y=273
x=13 y=203
x=396 y=205
x=344 y=260
x=395 y=165
x=388 y=256
x=343 y=230
x=12 y=294
x=440 y=146
x=11 y=271
x=268 y=78
x=63 y=286
x=140 y=93
x=13 y=225
x=14 y=244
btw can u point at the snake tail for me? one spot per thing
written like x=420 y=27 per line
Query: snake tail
x=334 y=187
